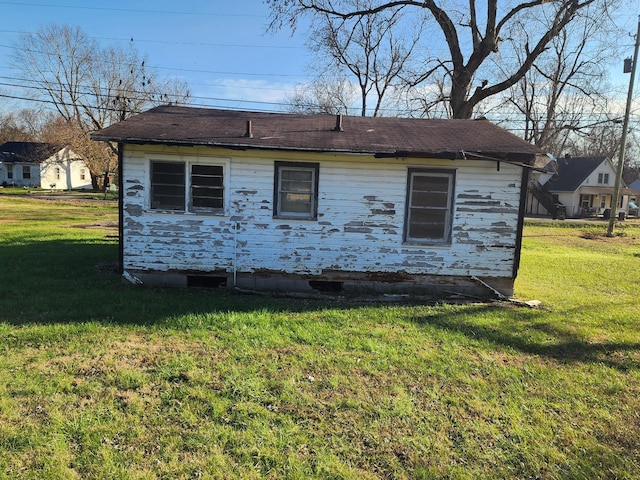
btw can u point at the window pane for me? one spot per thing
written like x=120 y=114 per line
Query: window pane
x=167 y=186
x=296 y=181
x=296 y=191
x=295 y=175
x=429 y=199
x=427 y=223
x=429 y=215
x=207 y=186
x=295 y=203
x=430 y=184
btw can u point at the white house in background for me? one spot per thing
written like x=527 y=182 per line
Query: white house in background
x=44 y=165
x=584 y=186
x=317 y=202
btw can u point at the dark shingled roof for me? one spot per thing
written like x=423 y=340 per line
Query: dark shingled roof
x=34 y=152
x=381 y=136
x=572 y=171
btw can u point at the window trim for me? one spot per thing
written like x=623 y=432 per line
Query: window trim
x=307 y=166
x=450 y=210
x=187 y=164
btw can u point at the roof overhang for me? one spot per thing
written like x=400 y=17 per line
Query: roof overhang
x=381 y=137
x=525 y=160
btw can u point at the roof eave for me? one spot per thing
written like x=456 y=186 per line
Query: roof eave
x=525 y=158
x=229 y=145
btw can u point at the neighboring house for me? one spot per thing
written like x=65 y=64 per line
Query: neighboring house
x=316 y=202
x=34 y=164
x=584 y=186
x=577 y=187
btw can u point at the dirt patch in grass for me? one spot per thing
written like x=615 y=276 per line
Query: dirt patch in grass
x=620 y=237
x=96 y=226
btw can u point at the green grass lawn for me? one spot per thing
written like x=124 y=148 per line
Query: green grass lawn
x=99 y=379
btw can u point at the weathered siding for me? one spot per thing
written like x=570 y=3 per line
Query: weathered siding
x=360 y=224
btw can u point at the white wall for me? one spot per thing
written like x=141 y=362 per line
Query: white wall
x=64 y=171
x=359 y=226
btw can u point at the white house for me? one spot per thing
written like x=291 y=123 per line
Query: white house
x=315 y=202
x=44 y=165
x=585 y=186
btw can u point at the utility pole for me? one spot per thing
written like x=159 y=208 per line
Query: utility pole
x=623 y=140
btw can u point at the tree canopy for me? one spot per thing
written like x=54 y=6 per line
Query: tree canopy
x=473 y=50
x=89 y=85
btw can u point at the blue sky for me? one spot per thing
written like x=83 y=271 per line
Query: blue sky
x=220 y=48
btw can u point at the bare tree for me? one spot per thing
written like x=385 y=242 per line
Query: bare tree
x=474 y=37
x=562 y=94
x=21 y=126
x=374 y=50
x=88 y=85
x=329 y=97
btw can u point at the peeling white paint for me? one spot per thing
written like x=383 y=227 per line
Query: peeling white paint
x=361 y=211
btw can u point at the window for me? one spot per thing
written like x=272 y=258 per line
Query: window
x=603 y=178
x=429 y=206
x=57 y=173
x=207 y=187
x=82 y=174
x=26 y=172
x=202 y=190
x=296 y=190
x=9 y=172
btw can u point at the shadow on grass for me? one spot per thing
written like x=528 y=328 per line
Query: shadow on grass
x=526 y=331
x=66 y=282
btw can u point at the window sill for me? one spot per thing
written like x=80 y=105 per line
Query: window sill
x=426 y=245
x=157 y=211
x=300 y=219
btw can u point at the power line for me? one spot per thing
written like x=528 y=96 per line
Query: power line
x=167 y=42
x=508 y=123
x=212 y=72
x=132 y=94
x=131 y=10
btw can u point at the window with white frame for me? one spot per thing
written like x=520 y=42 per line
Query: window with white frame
x=296 y=190
x=26 y=172
x=57 y=173
x=185 y=186
x=603 y=178
x=429 y=211
x=83 y=174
